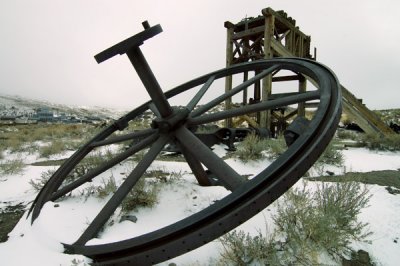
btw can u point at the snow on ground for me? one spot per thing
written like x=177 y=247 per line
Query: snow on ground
x=364 y=160
x=39 y=244
x=384 y=221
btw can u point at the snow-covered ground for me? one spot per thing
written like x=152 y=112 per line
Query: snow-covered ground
x=39 y=244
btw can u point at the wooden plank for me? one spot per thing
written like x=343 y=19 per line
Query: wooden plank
x=249 y=32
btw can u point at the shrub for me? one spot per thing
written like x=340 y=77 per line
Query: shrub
x=332 y=156
x=88 y=163
x=376 y=142
x=39 y=183
x=347 y=134
x=251 y=148
x=12 y=167
x=143 y=194
x=326 y=218
x=307 y=225
x=14 y=144
x=107 y=187
x=275 y=147
x=161 y=175
x=55 y=147
x=241 y=248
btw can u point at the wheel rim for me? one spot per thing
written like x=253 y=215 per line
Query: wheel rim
x=247 y=198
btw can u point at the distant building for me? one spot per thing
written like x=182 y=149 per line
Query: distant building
x=44 y=115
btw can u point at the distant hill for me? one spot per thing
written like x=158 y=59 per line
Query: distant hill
x=19 y=106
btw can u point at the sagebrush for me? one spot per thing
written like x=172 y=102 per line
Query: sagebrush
x=253 y=147
x=386 y=143
x=143 y=194
x=12 y=167
x=308 y=223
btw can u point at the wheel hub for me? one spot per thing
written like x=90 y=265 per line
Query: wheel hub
x=167 y=124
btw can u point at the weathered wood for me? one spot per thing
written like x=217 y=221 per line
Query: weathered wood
x=229 y=25
x=291 y=115
x=265 y=116
x=245 y=78
x=228 y=79
x=248 y=119
x=285 y=78
x=281 y=23
x=278 y=27
x=301 y=108
x=364 y=117
x=283 y=35
x=275 y=96
x=312 y=105
x=248 y=33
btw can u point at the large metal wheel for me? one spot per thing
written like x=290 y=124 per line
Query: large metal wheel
x=178 y=125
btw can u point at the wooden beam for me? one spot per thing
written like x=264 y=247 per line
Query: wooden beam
x=280 y=49
x=275 y=96
x=291 y=114
x=249 y=32
x=301 y=108
x=245 y=78
x=285 y=78
x=282 y=21
x=228 y=79
x=311 y=105
x=364 y=117
x=265 y=116
x=283 y=35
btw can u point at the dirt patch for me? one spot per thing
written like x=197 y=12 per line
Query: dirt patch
x=387 y=178
x=9 y=217
x=359 y=258
x=49 y=162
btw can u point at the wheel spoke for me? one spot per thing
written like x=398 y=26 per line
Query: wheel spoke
x=104 y=167
x=200 y=94
x=237 y=89
x=130 y=136
x=122 y=191
x=196 y=167
x=252 y=108
x=149 y=81
x=229 y=177
x=154 y=109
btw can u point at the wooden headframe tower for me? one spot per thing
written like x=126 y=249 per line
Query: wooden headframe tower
x=274 y=34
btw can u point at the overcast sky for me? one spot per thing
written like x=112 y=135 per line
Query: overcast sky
x=47 y=46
